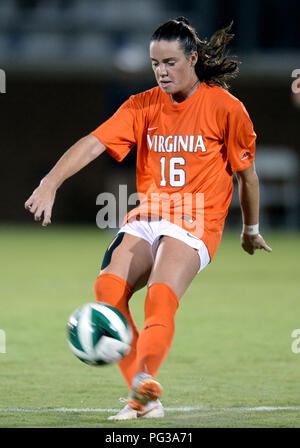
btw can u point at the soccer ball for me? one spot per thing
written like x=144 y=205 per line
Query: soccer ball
x=98 y=334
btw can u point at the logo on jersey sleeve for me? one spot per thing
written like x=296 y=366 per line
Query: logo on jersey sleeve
x=245 y=156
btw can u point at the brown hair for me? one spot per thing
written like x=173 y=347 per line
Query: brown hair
x=213 y=65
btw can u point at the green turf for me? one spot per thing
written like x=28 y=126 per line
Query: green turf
x=232 y=346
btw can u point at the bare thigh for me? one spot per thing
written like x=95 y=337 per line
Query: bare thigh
x=132 y=260
x=176 y=264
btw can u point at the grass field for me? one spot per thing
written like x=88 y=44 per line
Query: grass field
x=231 y=354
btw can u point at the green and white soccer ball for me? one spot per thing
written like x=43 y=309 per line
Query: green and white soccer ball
x=98 y=334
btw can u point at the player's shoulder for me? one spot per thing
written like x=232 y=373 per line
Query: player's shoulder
x=147 y=97
x=222 y=98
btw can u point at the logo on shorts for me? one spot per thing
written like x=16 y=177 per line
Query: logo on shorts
x=192 y=236
x=190 y=220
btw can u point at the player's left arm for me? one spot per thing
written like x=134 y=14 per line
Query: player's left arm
x=248 y=183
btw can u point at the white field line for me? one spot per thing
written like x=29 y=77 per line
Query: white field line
x=184 y=409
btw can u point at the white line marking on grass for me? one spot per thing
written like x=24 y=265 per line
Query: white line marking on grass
x=185 y=409
x=241 y=409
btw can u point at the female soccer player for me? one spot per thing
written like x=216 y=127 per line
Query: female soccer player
x=192 y=135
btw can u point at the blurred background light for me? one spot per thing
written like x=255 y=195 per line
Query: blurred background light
x=70 y=64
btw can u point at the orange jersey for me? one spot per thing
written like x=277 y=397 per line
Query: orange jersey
x=186 y=154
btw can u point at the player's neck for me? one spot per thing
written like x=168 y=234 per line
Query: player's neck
x=178 y=97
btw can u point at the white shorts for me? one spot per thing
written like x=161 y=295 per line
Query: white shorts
x=151 y=231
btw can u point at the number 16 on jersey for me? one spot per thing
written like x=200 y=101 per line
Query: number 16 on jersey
x=177 y=176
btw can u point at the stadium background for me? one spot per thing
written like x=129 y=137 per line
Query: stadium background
x=69 y=64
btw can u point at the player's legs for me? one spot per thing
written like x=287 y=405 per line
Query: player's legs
x=125 y=268
x=131 y=260
x=175 y=266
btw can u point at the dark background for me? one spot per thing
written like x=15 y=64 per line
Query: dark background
x=70 y=64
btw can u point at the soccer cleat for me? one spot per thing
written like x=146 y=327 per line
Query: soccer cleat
x=125 y=414
x=153 y=409
x=144 y=390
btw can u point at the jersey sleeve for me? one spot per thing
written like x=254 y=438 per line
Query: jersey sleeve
x=118 y=132
x=240 y=138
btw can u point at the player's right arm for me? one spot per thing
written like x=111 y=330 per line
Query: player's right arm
x=77 y=157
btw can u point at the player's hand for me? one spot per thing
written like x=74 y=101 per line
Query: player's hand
x=250 y=243
x=41 y=202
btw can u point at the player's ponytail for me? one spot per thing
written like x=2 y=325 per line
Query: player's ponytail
x=213 y=65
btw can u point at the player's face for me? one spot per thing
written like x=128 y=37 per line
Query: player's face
x=174 y=72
